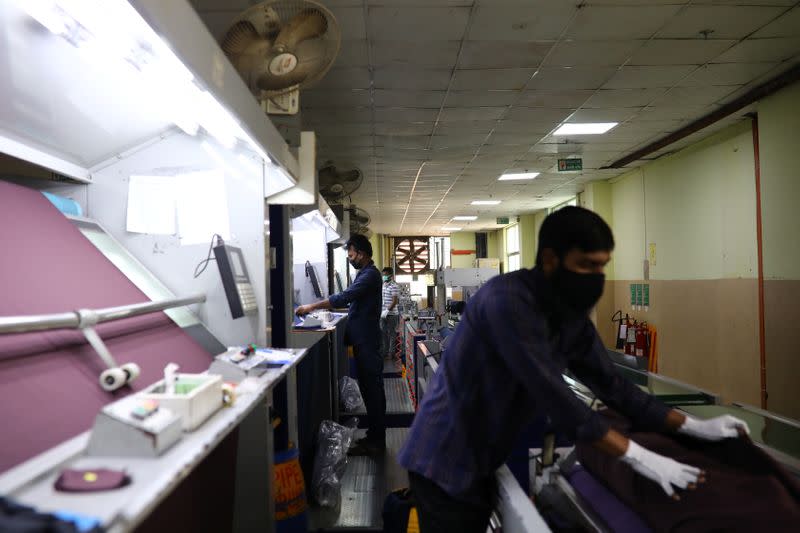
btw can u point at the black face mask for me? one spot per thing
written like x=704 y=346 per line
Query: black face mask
x=355 y=264
x=577 y=293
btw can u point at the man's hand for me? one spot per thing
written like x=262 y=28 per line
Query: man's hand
x=384 y=314
x=721 y=427
x=663 y=470
x=303 y=310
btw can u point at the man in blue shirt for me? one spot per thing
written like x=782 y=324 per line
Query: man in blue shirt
x=504 y=365
x=363 y=332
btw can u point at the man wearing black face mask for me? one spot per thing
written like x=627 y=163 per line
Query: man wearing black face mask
x=363 y=332
x=504 y=365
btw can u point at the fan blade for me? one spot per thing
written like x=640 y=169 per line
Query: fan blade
x=305 y=25
x=239 y=37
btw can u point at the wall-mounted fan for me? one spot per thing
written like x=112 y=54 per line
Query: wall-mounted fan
x=412 y=254
x=281 y=46
x=336 y=183
x=359 y=220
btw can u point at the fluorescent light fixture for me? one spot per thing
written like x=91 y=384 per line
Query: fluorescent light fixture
x=465 y=217
x=518 y=176
x=593 y=128
x=451 y=229
x=485 y=202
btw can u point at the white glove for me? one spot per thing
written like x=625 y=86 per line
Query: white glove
x=663 y=470
x=721 y=427
x=384 y=313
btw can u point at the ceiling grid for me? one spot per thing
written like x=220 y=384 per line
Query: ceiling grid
x=475 y=88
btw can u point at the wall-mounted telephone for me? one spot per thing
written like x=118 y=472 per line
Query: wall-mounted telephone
x=312 y=275
x=235 y=280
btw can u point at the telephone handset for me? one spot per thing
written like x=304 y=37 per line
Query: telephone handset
x=235 y=280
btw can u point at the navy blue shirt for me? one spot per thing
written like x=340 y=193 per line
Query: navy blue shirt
x=364 y=298
x=502 y=367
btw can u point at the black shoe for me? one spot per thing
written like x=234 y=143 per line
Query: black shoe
x=367 y=447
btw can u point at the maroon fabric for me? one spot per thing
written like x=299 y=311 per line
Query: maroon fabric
x=745 y=490
x=49 y=387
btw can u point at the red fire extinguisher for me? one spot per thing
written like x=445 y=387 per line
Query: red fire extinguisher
x=630 y=340
x=641 y=340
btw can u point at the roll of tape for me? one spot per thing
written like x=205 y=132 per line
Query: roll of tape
x=228 y=394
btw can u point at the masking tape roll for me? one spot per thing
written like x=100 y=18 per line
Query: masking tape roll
x=228 y=394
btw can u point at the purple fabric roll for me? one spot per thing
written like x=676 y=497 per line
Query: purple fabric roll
x=607 y=506
x=49 y=389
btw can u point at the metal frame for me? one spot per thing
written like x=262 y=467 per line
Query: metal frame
x=72 y=320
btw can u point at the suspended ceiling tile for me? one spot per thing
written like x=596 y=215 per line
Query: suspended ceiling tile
x=727 y=74
x=405 y=114
x=591 y=53
x=523 y=139
x=458 y=114
x=352 y=54
x=524 y=22
x=334 y=141
x=322 y=98
x=344 y=130
x=481 y=98
x=785 y=26
x=411 y=78
x=417 y=23
x=619 y=22
x=648 y=77
x=481 y=126
x=450 y=141
x=345 y=78
x=704 y=95
x=398 y=98
x=399 y=128
x=501 y=79
x=726 y=22
x=623 y=97
x=569 y=99
x=401 y=141
x=509 y=125
x=539 y=115
x=351 y=22
x=337 y=115
x=762 y=50
x=680 y=51
x=570 y=78
x=502 y=150
x=420 y=54
x=502 y=54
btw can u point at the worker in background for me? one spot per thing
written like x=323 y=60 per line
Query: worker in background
x=504 y=366
x=363 y=333
x=390 y=316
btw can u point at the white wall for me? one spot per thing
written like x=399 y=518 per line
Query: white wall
x=163 y=255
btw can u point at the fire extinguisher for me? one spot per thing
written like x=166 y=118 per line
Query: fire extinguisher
x=630 y=339
x=622 y=328
x=641 y=340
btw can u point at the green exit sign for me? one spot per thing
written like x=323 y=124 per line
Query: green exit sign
x=567 y=165
x=502 y=221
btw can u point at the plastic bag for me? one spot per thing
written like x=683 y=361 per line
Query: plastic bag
x=331 y=460
x=350 y=394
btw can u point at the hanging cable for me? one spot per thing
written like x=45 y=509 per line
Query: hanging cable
x=201 y=267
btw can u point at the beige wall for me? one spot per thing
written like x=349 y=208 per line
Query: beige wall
x=528 y=236
x=778 y=124
x=462 y=240
x=698 y=208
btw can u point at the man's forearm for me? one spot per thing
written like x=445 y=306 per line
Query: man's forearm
x=674 y=420
x=324 y=304
x=393 y=304
x=613 y=443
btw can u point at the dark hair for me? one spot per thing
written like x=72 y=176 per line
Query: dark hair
x=360 y=243
x=574 y=227
x=387 y=270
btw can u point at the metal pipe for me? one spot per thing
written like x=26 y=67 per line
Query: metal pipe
x=71 y=320
x=762 y=346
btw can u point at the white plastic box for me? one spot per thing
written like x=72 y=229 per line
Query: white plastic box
x=195 y=406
